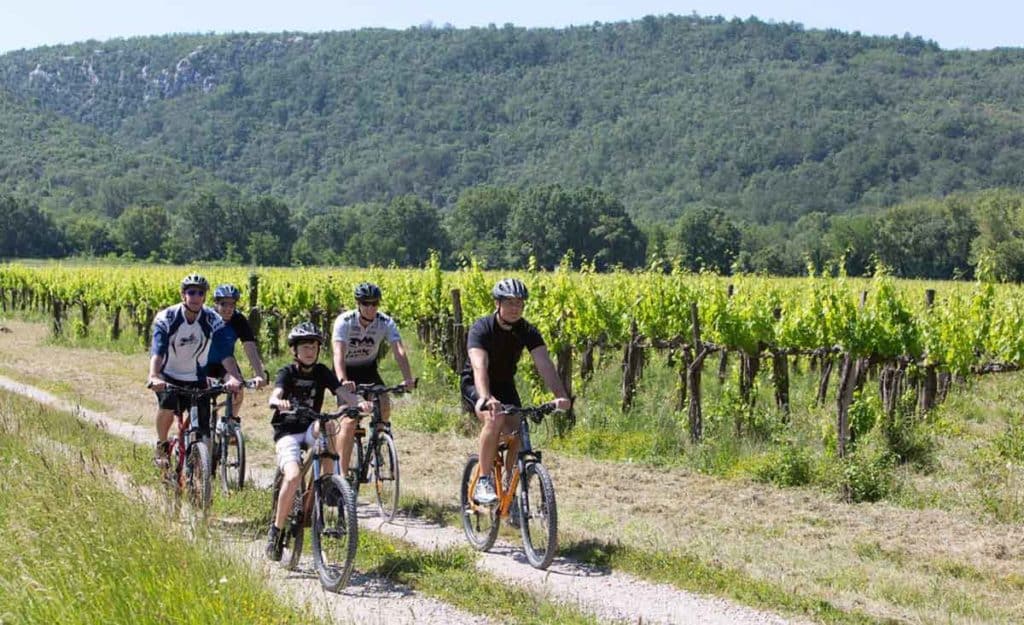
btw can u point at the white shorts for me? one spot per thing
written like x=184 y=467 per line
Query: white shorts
x=289 y=447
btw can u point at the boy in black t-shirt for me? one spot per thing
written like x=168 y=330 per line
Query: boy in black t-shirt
x=495 y=343
x=302 y=383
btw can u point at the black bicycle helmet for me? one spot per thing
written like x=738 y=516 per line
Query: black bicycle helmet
x=229 y=291
x=367 y=291
x=305 y=331
x=195 y=279
x=510 y=288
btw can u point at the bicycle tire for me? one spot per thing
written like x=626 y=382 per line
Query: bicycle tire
x=232 y=465
x=199 y=483
x=293 y=533
x=335 y=534
x=384 y=464
x=538 y=518
x=481 y=523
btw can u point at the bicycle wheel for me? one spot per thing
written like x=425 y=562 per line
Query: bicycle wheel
x=198 y=483
x=335 y=532
x=538 y=515
x=480 y=522
x=232 y=459
x=293 y=533
x=384 y=465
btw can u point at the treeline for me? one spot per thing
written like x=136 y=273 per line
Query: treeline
x=764 y=122
x=502 y=227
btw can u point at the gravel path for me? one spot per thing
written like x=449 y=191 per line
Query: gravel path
x=609 y=595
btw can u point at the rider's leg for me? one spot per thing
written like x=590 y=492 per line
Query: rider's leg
x=510 y=426
x=237 y=403
x=164 y=419
x=492 y=425
x=289 y=484
x=341 y=438
x=385 y=409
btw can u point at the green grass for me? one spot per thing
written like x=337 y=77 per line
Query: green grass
x=690 y=573
x=75 y=550
x=152 y=548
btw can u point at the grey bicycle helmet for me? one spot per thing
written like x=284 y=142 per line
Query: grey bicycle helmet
x=305 y=331
x=228 y=291
x=195 y=279
x=367 y=291
x=510 y=288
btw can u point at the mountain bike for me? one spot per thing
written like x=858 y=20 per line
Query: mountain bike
x=326 y=504
x=189 y=468
x=529 y=487
x=228 y=444
x=378 y=459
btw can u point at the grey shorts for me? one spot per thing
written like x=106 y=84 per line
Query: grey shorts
x=289 y=447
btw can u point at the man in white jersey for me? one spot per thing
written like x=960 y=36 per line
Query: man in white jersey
x=357 y=337
x=186 y=337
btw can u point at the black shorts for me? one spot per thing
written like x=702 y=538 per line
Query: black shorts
x=505 y=392
x=216 y=371
x=364 y=374
x=169 y=400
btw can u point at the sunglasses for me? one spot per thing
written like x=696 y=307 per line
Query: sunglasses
x=195 y=292
x=369 y=303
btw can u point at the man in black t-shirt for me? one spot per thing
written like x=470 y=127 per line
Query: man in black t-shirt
x=495 y=344
x=225 y=299
x=301 y=383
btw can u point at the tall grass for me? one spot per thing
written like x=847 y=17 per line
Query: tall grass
x=76 y=550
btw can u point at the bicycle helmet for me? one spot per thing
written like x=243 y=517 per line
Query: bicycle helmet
x=228 y=291
x=367 y=290
x=195 y=279
x=510 y=288
x=305 y=331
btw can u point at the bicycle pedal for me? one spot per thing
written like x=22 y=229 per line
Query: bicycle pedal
x=333 y=533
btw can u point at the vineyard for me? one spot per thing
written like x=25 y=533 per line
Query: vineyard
x=912 y=339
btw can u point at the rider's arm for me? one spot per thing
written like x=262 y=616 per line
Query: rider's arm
x=403 y=363
x=276 y=397
x=338 y=349
x=155 y=362
x=478 y=359
x=253 y=354
x=546 y=369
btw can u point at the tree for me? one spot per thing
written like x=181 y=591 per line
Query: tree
x=478 y=223
x=141 y=230
x=26 y=231
x=707 y=239
x=549 y=221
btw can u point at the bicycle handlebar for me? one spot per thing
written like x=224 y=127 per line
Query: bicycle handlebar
x=215 y=388
x=371 y=390
x=534 y=413
x=344 y=411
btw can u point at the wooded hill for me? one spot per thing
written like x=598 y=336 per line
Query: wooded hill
x=762 y=122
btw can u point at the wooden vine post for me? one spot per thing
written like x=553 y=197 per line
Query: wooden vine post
x=929 y=380
x=780 y=376
x=632 y=363
x=693 y=377
x=458 y=332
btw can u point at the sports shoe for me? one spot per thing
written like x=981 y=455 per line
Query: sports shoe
x=161 y=455
x=484 y=492
x=275 y=546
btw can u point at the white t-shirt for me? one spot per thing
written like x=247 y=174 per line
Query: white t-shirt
x=363 y=344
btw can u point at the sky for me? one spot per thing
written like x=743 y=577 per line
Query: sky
x=982 y=24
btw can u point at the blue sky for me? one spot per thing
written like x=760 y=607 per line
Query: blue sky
x=981 y=24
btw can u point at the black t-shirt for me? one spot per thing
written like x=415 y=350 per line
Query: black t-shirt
x=301 y=388
x=242 y=329
x=503 y=347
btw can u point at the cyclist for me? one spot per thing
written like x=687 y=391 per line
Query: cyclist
x=495 y=343
x=187 y=337
x=357 y=337
x=225 y=299
x=303 y=382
